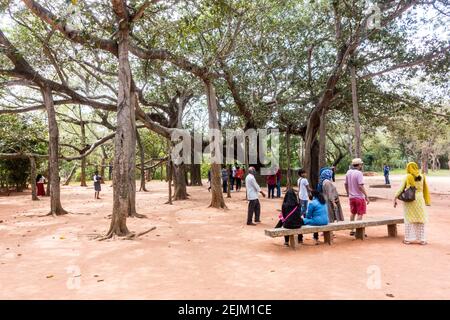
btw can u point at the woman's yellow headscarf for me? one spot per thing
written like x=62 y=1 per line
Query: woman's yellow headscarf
x=412 y=170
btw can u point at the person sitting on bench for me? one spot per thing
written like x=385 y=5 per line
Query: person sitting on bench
x=317 y=214
x=290 y=217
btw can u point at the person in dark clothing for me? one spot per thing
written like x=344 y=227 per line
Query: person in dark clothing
x=97 y=184
x=278 y=174
x=290 y=217
x=386 y=170
x=225 y=180
x=271 y=184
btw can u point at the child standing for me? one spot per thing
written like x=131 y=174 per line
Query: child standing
x=304 y=191
x=97 y=185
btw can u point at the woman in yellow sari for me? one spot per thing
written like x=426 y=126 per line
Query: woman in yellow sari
x=414 y=211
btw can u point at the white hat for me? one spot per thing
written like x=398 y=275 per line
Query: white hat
x=357 y=161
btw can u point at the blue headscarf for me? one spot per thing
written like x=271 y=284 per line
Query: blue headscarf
x=326 y=173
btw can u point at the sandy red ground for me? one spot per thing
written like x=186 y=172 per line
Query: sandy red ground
x=202 y=253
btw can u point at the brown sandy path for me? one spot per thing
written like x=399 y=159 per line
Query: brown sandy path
x=201 y=253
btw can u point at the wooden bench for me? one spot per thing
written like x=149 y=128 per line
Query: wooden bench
x=327 y=230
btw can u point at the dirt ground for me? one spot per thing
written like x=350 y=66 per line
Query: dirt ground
x=201 y=253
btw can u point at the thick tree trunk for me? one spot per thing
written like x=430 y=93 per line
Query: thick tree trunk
x=169 y=181
x=355 y=113
x=132 y=173
x=323 y=139
x=47 y=189
x=55 y=200
x=71 y=174
x=169 y=167
x=83 y=160
x=196 y=175
x=288 y=152
x=217 y=200
x=142 y=159
x=33 y=178
x=179 y=174
x=124 y=148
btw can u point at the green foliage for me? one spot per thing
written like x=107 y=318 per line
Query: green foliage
x=19 y=134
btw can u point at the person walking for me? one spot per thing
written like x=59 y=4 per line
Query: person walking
x=386 y=170
x=97 y=185
x=414 y=211
x=253 y=190
x=278 y=174
x=357 y=195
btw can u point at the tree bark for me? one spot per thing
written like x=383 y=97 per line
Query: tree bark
x=196 y=175
x=132 y=171
x=103 y=168
x=33 y=178
x=83 y=160
x=142 y=159
x=217 y=200
x=179 y=174
x=47 y=189
x=124 y=148
x=323 y=139
x=169 y=167
x=72 y=172
x=355 y=113
x=288 y=152
x=54 y=179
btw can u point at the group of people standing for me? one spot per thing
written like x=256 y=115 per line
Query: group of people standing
x=321 y=206
x=234 y=174
x=274 y=182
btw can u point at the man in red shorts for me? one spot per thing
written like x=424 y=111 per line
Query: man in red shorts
x=354 y=186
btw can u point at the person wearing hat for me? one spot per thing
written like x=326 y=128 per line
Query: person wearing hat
x=252 y=187
x=354 y=186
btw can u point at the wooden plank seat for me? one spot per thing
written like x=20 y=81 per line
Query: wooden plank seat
x=327 y=230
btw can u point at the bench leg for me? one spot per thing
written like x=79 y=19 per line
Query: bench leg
x=327 y=236
x=392 y=230
x=292 y=242
x=360 y=232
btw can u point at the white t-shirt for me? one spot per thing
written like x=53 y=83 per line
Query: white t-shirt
x=302 y=183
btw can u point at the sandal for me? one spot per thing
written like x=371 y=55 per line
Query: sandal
x=423 y=243
x=406 y=242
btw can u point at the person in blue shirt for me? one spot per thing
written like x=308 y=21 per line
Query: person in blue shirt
x=317 y=214
x=386 y=170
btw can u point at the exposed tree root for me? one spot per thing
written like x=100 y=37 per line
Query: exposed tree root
x=129 y=236
x=138 y=215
